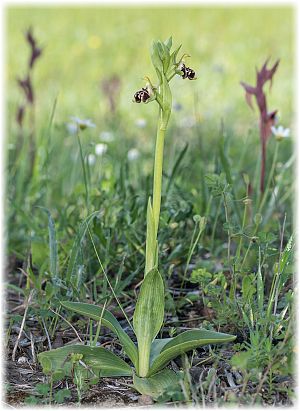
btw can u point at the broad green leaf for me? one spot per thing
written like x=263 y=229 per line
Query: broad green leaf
x=157 y=384
x=148 y=316
x=151 y=243
x=109 y=321
x=157 y=346
x=187 y=341
x=95 y=361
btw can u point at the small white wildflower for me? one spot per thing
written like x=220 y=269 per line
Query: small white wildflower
x=82 y=124
x=71 y=128
x=100 y=149
x=133 y=154
x=91 y=159
x=106 y=136
x=141 y=123
x=280 y=132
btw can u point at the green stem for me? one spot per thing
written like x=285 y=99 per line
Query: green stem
x=269 y=179
x=144 y=359
x=158 y=167
x=153 y=211
x=153 y=214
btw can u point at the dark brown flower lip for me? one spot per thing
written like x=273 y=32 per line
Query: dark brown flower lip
x=187 y=72
x=141 y=96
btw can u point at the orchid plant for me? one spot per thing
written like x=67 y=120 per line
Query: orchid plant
x=267 y=119
x=150 y=356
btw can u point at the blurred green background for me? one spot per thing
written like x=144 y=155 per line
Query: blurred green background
x=84 y=45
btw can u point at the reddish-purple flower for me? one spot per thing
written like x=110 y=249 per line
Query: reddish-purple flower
x=267 y=119
x=35 y=50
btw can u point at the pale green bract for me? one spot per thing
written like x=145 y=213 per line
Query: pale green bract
x=150 y=356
